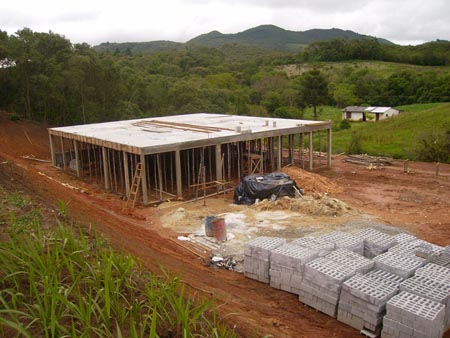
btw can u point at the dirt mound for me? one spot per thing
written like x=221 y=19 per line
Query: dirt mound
x=310 y=182
x=315 y=205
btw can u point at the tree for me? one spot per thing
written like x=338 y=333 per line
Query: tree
x=313 y=89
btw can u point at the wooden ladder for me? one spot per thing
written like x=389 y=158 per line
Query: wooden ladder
x=134 y=189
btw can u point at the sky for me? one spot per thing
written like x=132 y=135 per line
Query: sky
x=406 y=22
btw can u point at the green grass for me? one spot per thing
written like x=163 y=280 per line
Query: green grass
x=65 y=283
x=396 y=136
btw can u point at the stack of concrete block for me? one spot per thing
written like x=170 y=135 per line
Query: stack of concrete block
x=286 y=266
x=418 y=247
x=257 y=255
x=403 y=266
x=363 y=302
x=404 y=237
x=442 y=260
x=410 y=315
x=385 y=277
x=321 y=284
x=375 y=242
x=435 y=271
x=437 y=289
x=344 y=240
x=358 y=262
x=322 y=247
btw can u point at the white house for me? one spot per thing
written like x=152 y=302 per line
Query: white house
x=357 y=113
x=380 y=113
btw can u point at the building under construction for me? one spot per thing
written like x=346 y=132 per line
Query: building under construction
x=178 y=156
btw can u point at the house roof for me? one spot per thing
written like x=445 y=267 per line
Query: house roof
x=356 y=109
x=377 y=110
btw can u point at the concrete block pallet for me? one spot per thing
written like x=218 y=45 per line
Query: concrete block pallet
x=375 y=242
x=436 y=289
x=363 y=302
x=403 y=266
x=350 y=258
x=412 y=316
x=344 y=240
x=286 y=266
x=417 y=247
x=256 y=257
x=323 y=247
x=321 y=284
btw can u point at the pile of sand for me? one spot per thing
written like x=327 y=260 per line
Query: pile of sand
x=315 y=205
x=310 y=182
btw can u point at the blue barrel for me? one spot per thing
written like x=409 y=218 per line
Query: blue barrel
x=208 y=225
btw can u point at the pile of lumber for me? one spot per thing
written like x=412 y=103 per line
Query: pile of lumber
x=368 y=160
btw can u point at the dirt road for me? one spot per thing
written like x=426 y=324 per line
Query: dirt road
x=419 y=203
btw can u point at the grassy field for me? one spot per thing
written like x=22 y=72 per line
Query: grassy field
x=397 y=136
x=59 y=282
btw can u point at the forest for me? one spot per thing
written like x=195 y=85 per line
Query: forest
x=45 y=77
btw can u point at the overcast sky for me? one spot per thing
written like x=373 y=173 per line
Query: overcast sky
x=95 y=21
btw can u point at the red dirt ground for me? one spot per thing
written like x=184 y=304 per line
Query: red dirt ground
x=418 y=202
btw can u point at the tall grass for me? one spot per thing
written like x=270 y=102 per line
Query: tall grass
x=57 y=283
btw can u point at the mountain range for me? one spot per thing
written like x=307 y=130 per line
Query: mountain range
x=265 y=36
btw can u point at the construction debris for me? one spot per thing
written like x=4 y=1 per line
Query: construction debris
x=370 y=161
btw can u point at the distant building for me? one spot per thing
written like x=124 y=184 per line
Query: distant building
x=357 y=113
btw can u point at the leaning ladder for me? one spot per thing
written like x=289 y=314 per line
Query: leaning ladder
x=134 y=189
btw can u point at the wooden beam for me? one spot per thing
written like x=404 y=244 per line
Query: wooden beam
x=144 y=180
x=106 y=168
x=126 y=171
x=291 y=149
x=178 y=173
x=219 y=172
x=52 y=150
x=329 y=148
x=62 y=154
x=311 y=145
x=280 y=153
x=77 y=158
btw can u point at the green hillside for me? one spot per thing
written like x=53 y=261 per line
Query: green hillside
x=266 y=37
x=398 y=136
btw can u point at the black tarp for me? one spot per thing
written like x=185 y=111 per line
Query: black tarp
x=270 y=186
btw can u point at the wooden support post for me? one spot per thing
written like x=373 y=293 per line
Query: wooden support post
x=178 y=174
x=300 y=150
x=106 y=168
x=438 y=168
x=144 y=180
x=291 y=149
x=77 y=158
x=280 y=153
x=62 y=154
x=219 y=173
x=329 y=148
x=52 y=150
x=160 y=176
x=311 y=145
x=126 y=171
x=405 y=166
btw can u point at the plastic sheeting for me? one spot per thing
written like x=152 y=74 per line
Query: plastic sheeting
x=270 y=186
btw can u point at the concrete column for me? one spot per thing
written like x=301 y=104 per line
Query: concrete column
x=126 y=172
x=300 y=150
x=219 y=174
x=178 y=173
x=52 y=150
x=311 y=145
x=329 y=148
x=144 y=180
x=280 y=152
x=77 y=158
x=106 y=168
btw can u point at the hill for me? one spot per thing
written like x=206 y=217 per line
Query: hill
x=265 y=36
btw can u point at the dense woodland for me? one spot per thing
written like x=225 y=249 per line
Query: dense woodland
x=43 y=76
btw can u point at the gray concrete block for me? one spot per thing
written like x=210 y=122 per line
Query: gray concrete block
x=404 y=238
x=352 y=259
x=375 y=242
x=364 y=287
x=260 y=247
x=385 y=277
x=403 y=266
x=292 y=256
x=322 y=247
x=344 y=240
